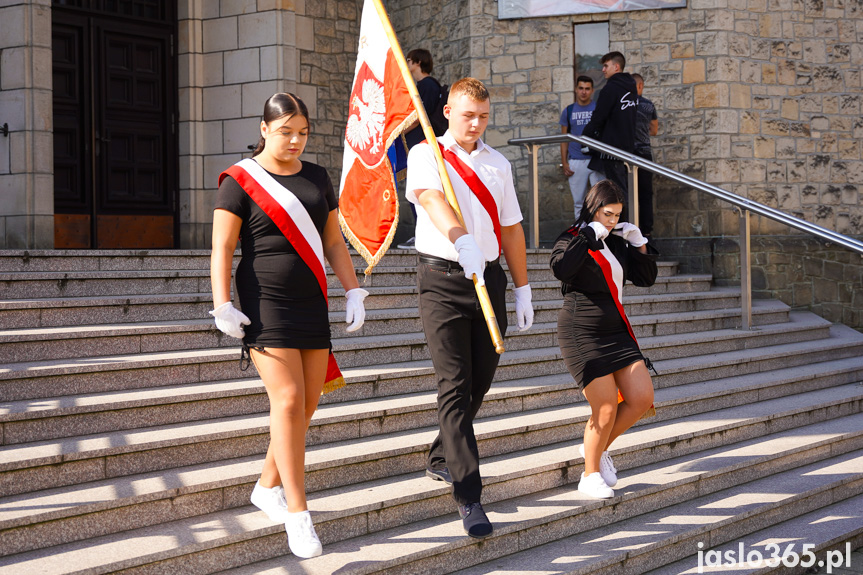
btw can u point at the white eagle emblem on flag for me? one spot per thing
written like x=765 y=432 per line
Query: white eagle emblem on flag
x=367 y=118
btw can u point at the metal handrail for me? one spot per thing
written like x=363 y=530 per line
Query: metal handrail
x=744 y=205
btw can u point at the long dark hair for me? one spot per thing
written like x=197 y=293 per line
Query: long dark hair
x=601 y=194
x=278 y=106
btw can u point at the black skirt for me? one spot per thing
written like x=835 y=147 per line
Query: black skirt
x=284 y=302
x=593 y=338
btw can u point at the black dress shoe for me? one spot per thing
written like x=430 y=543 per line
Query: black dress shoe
x=440 y=475
x=475 y=522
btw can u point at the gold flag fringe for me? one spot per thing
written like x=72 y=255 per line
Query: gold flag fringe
x=333 y=385
x=374 y=259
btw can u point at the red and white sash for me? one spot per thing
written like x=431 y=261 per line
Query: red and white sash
x=292 y=219
x=478 y=188
x=613 y=274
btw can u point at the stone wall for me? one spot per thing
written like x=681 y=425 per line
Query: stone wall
x=803 y=272
x=761 y=97
x=327 y=37
x=233 y=55
x=527 y=66
x=27 y=153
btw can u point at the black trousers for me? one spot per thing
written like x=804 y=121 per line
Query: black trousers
x=645 y=194
x=464 y=361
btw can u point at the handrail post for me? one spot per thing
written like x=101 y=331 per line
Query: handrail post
x=745 y=271
x=632 y=176
x=533 y=205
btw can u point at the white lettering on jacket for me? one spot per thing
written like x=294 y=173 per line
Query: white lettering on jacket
x=626 y=103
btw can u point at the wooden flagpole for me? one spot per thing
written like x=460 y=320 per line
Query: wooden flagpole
x=481 y=291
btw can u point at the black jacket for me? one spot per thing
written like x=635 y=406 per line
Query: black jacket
x=577 y=271
x=613 y=120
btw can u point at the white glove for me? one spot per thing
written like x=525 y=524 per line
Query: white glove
x=230 y=320
x=523 y=307
x=630 y=233
x=600 y=230
x=470 y=258
x=355 y=311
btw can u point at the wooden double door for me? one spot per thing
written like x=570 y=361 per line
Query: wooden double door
x=115 y=141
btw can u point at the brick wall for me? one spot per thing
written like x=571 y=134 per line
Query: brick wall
x=26 y=154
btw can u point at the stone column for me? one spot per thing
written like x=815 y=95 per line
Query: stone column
x=233 y=55
x=26 y=154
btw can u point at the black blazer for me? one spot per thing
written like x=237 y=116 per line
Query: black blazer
x=578 y=271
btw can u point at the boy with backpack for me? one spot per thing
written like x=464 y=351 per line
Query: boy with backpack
x=573 y=119
x=431 y=93
x=434 y=97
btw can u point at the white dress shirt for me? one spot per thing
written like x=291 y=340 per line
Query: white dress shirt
x=495 y=172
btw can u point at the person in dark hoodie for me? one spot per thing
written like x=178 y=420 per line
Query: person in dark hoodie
x=613 y=120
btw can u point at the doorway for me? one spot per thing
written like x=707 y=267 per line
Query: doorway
x=115 y=140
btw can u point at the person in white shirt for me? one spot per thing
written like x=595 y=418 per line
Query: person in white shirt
x=450 y=255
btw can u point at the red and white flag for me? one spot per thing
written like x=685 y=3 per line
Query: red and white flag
x=380 y=109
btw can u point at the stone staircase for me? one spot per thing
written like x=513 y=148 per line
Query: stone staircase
x=131 y=439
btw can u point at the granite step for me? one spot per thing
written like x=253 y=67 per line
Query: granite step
x=800 y=327
x=45 y=517
x=38 y=380
x=108 y=260
x=656 y=538
x=51 y=284
x=30 y=421
x=52 y=418
x=67 y=312
x=407 y=275
x=102 y=260
x=720 y=297
x=34 y=344
x=387 y=518
x=645 y=322
x=836 y=528
x=843 y=342
x=59 y=462
x=41 y=379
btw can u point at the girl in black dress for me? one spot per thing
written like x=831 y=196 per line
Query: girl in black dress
x=593 y=259
x=287 y=331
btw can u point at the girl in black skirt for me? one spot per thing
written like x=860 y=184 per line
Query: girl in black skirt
x=593 y=259
x=281 y=284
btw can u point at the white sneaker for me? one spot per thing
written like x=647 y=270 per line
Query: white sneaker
x=302 y=538
x=271 y=501
x=408 y=245
x=606 y=467
x=594 y=486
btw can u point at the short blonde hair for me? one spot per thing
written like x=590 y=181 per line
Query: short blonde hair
x=471 y=87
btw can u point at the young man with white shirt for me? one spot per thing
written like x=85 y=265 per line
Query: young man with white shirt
x=450 y=255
